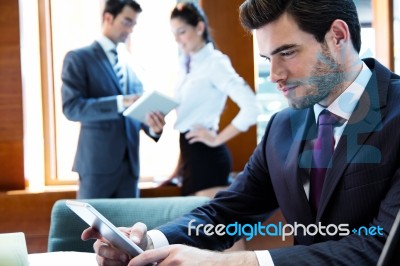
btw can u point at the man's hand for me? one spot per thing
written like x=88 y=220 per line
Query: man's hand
x=156 y=122
x=129 y=99
x=138 y=234
x=109 y=255
x=185 y=255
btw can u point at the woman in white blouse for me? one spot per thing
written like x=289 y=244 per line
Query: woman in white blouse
x=205 y=81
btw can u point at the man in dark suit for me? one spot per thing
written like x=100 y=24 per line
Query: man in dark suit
x=97 y=87
x=313 y=47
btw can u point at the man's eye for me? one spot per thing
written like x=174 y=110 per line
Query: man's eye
x=265 y=58
x=288 y=53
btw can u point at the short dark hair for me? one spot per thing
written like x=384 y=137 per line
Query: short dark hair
x=114 y=7
x=192 y=14
x=312 y=16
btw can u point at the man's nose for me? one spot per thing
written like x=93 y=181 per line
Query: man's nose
x=277 y=71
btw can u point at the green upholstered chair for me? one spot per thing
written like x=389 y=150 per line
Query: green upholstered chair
x=66 y=227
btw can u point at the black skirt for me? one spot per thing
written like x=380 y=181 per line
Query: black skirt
x=203 y=167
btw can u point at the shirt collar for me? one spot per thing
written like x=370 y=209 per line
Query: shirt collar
x=344 y=105
x=106 y=43
x=202 y=53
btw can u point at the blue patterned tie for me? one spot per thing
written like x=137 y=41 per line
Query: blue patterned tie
x=322 y=154
x=118 y=69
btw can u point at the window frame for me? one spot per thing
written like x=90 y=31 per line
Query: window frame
x=47 y=81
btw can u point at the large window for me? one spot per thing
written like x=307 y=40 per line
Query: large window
x=66 y=25
x=74 y=23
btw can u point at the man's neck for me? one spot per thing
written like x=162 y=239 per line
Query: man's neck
x=351 y=70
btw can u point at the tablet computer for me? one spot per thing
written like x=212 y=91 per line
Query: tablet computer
x=153 y=101
x=95 y=219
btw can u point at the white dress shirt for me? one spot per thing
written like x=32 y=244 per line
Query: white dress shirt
x=343 y=107
x=108 y=46
x=202 y=92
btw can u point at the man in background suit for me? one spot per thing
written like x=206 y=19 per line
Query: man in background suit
x=313 y=47
x=96 y=89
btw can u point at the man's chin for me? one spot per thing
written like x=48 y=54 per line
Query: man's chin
x=123 y=39
x=306 y=101
x=298 y=105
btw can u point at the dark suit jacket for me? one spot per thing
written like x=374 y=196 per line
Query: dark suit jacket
x=361 y=189
x=89 y=92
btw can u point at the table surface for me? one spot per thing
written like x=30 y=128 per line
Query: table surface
x=62 y=259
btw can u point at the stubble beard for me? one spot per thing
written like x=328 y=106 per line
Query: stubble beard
x=325 y=79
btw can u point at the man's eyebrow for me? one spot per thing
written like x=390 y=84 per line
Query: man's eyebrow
x=280 y=49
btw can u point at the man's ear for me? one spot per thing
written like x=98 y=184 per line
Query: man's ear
x=107 y=17
x=339 y=32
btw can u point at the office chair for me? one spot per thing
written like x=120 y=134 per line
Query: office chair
x=66 y=227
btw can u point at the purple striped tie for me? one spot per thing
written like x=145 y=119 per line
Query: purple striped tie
x=322 y=154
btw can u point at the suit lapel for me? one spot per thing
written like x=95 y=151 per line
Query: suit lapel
x=365 y=119
x=299 y=161
x=129 y=81
x=105 y=65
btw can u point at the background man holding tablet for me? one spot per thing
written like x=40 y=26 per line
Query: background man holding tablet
x=96 y=89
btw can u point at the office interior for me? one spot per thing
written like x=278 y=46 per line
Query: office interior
x=28 y=194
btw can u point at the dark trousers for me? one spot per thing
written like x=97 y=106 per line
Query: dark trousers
x=121 y=184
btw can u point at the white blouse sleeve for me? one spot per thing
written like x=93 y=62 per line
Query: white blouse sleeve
x=225 y=78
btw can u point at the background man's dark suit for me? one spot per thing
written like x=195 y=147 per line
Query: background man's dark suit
x=89 y=92
x=361 y=189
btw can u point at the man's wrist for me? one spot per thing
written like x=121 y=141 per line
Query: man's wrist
x=157 y=239
x=120 y=103
x=154 y=134
x=240 y=258
x=264 y=258
x=150 y=244
x=126 y=102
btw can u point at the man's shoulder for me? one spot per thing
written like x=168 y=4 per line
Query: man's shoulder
x=388 y=81
x=84 y=53
x=85 y=50
x=381 y=71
